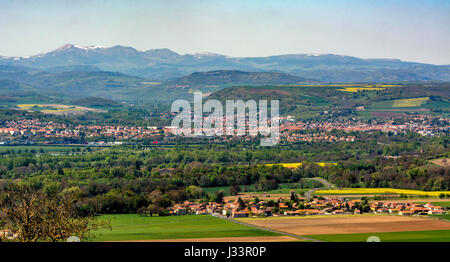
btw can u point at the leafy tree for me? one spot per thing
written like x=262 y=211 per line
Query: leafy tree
x=241 y=203
x=32 y=215
x=234 y=189
x=194 y=191
x=218 y=196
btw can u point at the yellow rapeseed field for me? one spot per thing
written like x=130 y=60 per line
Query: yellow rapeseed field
x=328 y=85
x=150 y=83
x=28 y=106
x=363 y=191
x=356 y=89
x=382 y=85
x=296 y=165
x=50 y=111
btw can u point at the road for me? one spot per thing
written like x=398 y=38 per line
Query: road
x=270 y=230
x=327 y=185
x=307 y=195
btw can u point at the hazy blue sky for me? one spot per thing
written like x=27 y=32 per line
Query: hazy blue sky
x=410 y=30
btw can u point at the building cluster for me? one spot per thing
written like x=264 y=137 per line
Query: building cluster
x=406 y=208
x=321 y=136
x=33 y=127
x=7 y=234
x=291 y=131
x=422 y=124
x=37 y=129
x=322 y=206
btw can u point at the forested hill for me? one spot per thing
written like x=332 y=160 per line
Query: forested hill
x=235 y=77
x=309 y=101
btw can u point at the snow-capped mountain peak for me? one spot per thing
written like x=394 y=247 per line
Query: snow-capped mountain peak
x=90 y=47
x=205 y=54
x=71 y=46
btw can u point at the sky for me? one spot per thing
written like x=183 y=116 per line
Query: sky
x=410 y=30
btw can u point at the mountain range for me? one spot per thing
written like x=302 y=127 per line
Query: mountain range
x=164 y=64
x=224 y=78
x=81 y=82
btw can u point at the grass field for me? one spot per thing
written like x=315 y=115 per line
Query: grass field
x=445 y=216
x=351 y=228
x=285 y=188
x=442 y=204
x=249 y=219
x=286 y=191
x=372 y=191
x=57 y=108
x=128 y=227
x=44 y=148
x=419 y=104
x=411 y=102
x=408 y=236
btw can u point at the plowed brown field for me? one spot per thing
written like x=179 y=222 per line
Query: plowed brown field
x=350 y=224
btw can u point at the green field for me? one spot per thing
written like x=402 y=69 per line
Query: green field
x=246 y=219
x=411 y=102
x=379 y=191
x=37 y=149
x=408 y=236
x=285 y=191
x=445 y=216
x=284 y=188
x=442 y=204
x=134 y=227
x=225 y=189
x=408 y=105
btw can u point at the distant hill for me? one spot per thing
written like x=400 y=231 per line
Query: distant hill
x=235 y=77
x=164 y=64
x=309 y=101
x=95 y=101
x=12 y=91
x=82 y=86
x=11 y=87
x=73 y=84
x=84 y=68
x=103 y=88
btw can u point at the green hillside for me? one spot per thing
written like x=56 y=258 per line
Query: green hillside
x=331 y=100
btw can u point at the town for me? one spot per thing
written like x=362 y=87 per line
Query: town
x=291 y=131
x=318 y=206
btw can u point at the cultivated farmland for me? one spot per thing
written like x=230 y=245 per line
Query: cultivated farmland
x=442 y=162
x=350 y=224
x=411 y=102
x=375 y=191
x=58 y=109
x=132 y=227
x=297 y=165
x=407 y=236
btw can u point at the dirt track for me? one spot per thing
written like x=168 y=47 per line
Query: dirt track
x=351 y=225
x=441 y=162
